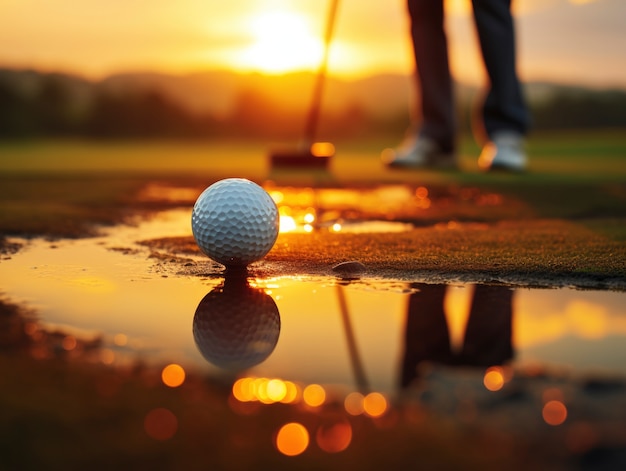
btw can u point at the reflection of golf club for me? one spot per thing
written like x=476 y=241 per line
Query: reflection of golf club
x=355 y=358
x=236 y=326
x=312 y=154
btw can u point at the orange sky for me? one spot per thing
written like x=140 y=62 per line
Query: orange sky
x=564 y=40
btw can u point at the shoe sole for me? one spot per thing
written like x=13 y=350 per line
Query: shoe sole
x=438 y=162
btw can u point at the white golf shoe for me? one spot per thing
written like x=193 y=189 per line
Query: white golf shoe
x=418 y=152
x=505 y=151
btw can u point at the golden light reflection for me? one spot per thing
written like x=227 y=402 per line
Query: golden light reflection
x=266 y=390
x=421 y=197
x=375 y=404
x=243 y=390
x=554 y=413
x=314 y=395
x=323 y=149
x=353 y=403
x=160 y=424
x=92 y=284
x=173 y=375
x=587 y=320
x=276 y=390
x=580 y=317
x=292 y=393
x=494 y=378
x=287 y=224
x=277 y=195
x=334 y=438
x=292 y=439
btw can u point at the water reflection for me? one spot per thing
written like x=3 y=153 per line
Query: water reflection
x=236 y=326
x=488 y=333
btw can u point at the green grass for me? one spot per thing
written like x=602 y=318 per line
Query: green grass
x=558 y=156
x=68 y=188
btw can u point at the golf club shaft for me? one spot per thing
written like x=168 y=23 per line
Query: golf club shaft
x=316 y=100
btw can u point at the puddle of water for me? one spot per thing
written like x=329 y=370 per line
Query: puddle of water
x=364 y=335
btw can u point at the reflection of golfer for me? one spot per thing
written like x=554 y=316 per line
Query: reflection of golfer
x=504 y=114
x=487 y=335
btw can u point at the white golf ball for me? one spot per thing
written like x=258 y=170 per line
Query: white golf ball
x=235 y=222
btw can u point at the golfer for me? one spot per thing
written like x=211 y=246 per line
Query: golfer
x=504 y=120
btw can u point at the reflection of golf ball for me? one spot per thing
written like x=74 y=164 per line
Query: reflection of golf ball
x=236 y=327
x=235 y=222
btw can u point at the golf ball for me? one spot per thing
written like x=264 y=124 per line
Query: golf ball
x=235 y=222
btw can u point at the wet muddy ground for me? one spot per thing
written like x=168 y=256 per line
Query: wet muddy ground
x=92 y=324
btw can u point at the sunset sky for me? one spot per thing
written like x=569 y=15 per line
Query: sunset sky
x=571 y=41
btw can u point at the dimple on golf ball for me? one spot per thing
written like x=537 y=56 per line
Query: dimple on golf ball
x=235 y=222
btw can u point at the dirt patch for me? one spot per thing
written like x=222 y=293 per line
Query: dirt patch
x=525 y=253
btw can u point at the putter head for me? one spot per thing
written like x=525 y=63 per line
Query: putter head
x=317 y=155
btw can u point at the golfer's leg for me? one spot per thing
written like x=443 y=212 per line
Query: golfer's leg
x=434 y=83
x=504 y=108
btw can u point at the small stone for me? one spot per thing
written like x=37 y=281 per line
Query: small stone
x=349 y=268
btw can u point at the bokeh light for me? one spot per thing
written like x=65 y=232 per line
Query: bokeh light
x=314 y=395
x=375 y=404
x=554 y=412
x=333 y=438
x=276 y=390
x=266 y=390
x=494 y=378
x=353 y=403
x=160 y=424
x=173 y=375
x=69 y=343
x=242 y=390
x=292 y=439
x=292 y=393
x=287 y=224
x=323 y=149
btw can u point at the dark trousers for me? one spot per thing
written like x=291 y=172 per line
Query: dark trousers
x=504 y=108
x=488 y=334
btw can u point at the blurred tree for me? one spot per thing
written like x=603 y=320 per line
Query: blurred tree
x=15 y=113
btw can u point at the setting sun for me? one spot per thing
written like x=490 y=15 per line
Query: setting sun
x=282 y=41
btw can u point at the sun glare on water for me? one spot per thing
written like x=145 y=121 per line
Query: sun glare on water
x=282 y=41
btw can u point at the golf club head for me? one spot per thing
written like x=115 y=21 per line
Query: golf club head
x=317 y=155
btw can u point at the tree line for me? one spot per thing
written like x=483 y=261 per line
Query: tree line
x=55 y=109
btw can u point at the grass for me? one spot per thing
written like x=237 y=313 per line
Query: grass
x=562 y=223
x=574 y=194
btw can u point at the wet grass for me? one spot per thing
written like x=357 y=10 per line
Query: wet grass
x=574 y=194
x=563 y=223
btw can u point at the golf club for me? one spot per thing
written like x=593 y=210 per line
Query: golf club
x=312 y=154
